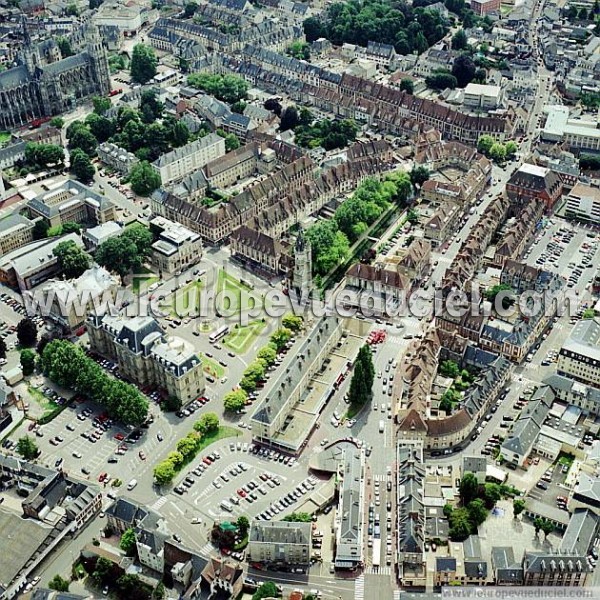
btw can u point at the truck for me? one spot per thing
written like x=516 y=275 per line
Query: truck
x=376 y=553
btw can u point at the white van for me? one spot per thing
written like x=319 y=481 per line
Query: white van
x=132 y=484
x=381 y=426
x=226 y=506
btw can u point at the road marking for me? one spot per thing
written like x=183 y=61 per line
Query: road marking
x=359 y=588
x=159 y=503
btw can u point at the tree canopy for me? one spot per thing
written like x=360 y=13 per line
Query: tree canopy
x=228 y=88
x=67 y=365
x=27 y=448
x=235 y=400
x=143 y=63
x=127 y=252
x=27 y=360
x=81 y=166
x=144 y=178
x=40 y=156
x=408 y=29
x=72 y=260
x=361 y=385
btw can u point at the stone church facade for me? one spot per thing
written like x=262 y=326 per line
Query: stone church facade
x=37 y=88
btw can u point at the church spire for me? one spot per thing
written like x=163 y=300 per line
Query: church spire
x=26 y=36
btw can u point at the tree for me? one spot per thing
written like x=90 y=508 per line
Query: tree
x=126 y=252
x=81 y=166
x=151 y=107
x=289 y=118
x=266 y=590
x=171 y=403
x=57 y=122
x=299 y=50
x=441 y=81
x=459 y=40
x=144 y=179
x=460 y=524
x=27 y=448
x=27 y=359
x=159 y=591
x=463 y=69
x=235 y=400
x=187 y=445
x=329 y=246
x=298 y=517
x=102 y=571
x=588 y=313
x=101 y=104
x=228 y=88
x=314 y=29
x=448 y=368
x=498 y=152
x=72 y=10
x=101 y=127
x=243 y=526
x=232 y=142
x=518 y=507
x=407 y=85
x=361 y=384
x=492 y=494
x=208 y=423
x=468 y=488
x=510 y=149
x=42 y=155
x=127 y=542
x=268 y=354
x=180 y=134
x=547 y=527
x=26 y=332
x=273 y=105
x=477 y=512
x=143 y=63
x=281 y=337
x=83 y=139
x=292 y=322
x=190 y=10
x=72 y=260
x=537 y=524
x=484 y=144
x=58 y=584
x=419 y=175
x=446 y=402
x=40 y=229
x=164 y=472
x=64 y=45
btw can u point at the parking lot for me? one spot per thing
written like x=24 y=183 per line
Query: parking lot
x=566 y=250
x=89 y=447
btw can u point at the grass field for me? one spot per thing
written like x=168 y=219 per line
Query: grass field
x=211 y=366
x=223 y=432
x=4 y=137
x=239 y=295
x=183 y=301
x=239 y=340
x=143 y=280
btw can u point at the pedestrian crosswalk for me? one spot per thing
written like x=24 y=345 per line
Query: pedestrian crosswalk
x=159 y=503
x=378 y=570
x=207 y=550
x=359 y=588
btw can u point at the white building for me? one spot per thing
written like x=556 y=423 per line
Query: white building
x=280 y=542
x=178 y=163
x=583 y=134
x=482 y=96
x=579 y=358
x=177 y=246
x=128 y=18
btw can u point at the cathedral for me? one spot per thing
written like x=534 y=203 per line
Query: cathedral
x=42 y=87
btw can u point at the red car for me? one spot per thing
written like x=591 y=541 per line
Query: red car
x=119 y=437
x=102 y=477
x=241 y=493
x=206 y=460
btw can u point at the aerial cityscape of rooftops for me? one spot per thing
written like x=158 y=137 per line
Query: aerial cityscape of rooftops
x=299 y=299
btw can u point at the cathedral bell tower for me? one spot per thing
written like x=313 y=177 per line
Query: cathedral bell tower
x=302 y=274
x=98 y=58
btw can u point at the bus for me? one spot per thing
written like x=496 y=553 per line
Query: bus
x=217 y=335
x=376 y=553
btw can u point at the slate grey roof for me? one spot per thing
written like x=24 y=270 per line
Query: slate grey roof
x=136 y=333
x=505 y=567
x=580 y=533
x=526 y=429
x=127 y=511
x=445 y=563
x=183 y=151
x=541 y=562
x=13 y=77
x=280 y=532
x=66 y=64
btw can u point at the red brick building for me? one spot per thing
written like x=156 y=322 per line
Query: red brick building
x=485 y=7
x=532 y=182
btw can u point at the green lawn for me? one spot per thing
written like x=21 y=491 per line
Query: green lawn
x=240 y=296
x=4 y=137
x=143 y=280
x=185 y=300
x=223 y=432
x=239 y=340
x=211 y=366
x=49 y=407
